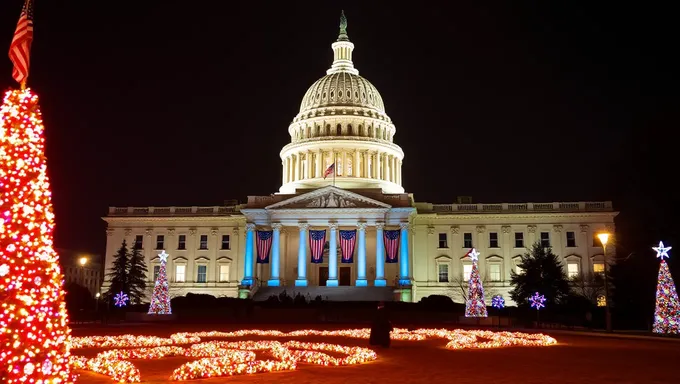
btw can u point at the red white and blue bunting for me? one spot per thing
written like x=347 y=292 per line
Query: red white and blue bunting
x=391 y=238
x=348 y=240
x=264 y=246
x=317 y=240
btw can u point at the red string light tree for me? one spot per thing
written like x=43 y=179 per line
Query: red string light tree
x=33 y=321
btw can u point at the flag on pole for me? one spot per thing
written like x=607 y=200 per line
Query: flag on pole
x=329 y=170
x=20 y=49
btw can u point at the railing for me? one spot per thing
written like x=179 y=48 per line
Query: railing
x=581 y=206
x=173 y=211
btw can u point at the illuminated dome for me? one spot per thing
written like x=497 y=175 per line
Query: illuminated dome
x=342 y=122
x=342 y=89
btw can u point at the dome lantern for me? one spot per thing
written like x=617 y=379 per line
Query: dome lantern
x=342 y=51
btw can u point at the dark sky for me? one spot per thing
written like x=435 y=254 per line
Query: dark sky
x=188 y=103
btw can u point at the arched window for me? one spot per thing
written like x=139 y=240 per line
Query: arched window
x=361 y=130
x=338 y=130
x=328 y=130
x=349 y=130
x=370 y=131
x=316 y=131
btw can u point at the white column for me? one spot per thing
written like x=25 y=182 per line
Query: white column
x=332 y=256
x=379 y=256
x=361 y=256
x=356 y=169
x=344 y=163
x=274 y=280
x=319 y=156
x=384 y=166
x=365 y=156
x=399 y=172
x=308 y=171
x=298 y=162
x=404 y=260
x=376 y=164
x=302 y=256
x=394 y=169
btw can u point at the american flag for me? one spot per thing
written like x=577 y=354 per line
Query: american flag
x=264 y=246
x=20 y=49
x=329 y=170
x=348 y=240
x=391 y=245
x=317 y=240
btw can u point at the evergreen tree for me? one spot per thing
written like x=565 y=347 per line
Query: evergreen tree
x=118 y=273
x=137 y=272
x=667 y=312
x=541 y=272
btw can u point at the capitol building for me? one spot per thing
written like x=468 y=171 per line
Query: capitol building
x=342 y=225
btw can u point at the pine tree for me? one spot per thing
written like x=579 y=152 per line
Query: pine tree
x=35 y=335
x=475 y=305
x=542 y=272
x=118 y=273
x=667 y=311
x=137 y=272
x=160 y=300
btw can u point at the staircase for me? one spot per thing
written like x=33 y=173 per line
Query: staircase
x=330 y=293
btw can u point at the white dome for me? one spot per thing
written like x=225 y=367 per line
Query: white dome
x=342 y=89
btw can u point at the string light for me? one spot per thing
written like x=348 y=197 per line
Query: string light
x=223 y=358
x=33 y=318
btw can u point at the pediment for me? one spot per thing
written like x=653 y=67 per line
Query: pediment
x=329 y=197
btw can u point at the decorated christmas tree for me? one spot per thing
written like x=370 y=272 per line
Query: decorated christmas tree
x=160 y=300
x=33 y=319
x=667 y=312
x=475 y=305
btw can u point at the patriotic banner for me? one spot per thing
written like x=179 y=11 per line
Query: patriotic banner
x=348 y=240
x=391 y=238
x=317 y=240
x=264 y=246
x=20 y=48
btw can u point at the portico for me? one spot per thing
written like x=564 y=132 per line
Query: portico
x=330 y=212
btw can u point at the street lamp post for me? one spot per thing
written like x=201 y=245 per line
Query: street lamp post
x=96 y=302
x=604 y=238
x=82 y=261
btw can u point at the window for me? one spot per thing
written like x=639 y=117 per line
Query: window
x=442 y=241
x=519 y=239
x=202 y=274
x=517 y=260
x=224 y=273
x=182 y=242
x=160 y=240
x=596 y=241
x=572 y=270
x=494 y=272
x=467 y=240
x=443 y=273
x=225 y=241
x=493 y=239
x=180 y=273
x=203 y=242
x=156 y=271
x=467 y=271
x=139 y=241
x=571 y=239
x=598 y=267
x=545 y=239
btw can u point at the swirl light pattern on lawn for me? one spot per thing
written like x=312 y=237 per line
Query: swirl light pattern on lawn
x=222 y=358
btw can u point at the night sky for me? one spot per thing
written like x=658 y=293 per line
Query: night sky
x=188 y=103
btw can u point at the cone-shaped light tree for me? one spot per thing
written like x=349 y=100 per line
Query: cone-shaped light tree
x=160 y=300
x=33 y=321
x=475 y=305
x=667 y=311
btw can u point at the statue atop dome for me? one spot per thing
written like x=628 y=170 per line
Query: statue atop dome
x=343 y=27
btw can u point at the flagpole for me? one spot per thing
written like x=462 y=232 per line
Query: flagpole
x=335 y=167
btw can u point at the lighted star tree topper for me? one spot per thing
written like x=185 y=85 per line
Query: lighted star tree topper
x=475 y=305
x=667 y=311
x=34 y=336
x=160 y=300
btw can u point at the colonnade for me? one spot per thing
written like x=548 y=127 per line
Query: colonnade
x=301 y=280
x=364 y=164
